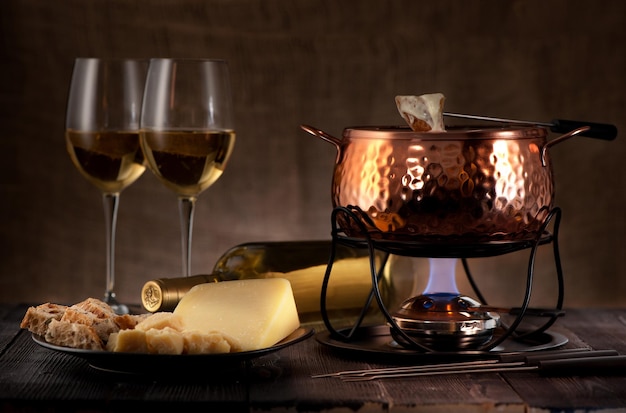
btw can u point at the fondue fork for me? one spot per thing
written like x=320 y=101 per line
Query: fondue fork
x=494 y=358
x=596 y=130
x=394 y=370
x=596 y=365
x=504 y=362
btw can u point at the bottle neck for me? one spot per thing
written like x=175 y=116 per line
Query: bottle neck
x=164 y=294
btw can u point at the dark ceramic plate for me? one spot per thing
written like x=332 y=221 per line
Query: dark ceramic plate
x=134 y=363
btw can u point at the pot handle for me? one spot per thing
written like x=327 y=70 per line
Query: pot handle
x=321 y=134
x=549 y=144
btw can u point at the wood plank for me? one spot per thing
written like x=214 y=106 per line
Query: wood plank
x=10 y=317
x=569 y=393
x=599 y=329
x=471 y=393
x=284 y=381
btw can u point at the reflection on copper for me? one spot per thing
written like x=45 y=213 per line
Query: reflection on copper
x=473 y=189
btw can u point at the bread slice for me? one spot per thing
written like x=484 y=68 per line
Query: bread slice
x=129 y=321
x=37 y=319
x=98 y=308
x=422 y=113
x=102 y=326
x=95 y=313
x=75 y=335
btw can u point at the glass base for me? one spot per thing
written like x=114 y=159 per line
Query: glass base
x=119 y=308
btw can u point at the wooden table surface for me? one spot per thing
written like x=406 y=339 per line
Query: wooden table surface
x=33 y=378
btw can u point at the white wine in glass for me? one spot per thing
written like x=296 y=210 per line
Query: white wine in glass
x=102 y=137
x=187 y=131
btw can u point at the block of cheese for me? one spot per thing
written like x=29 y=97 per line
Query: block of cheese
x=159 y=321
x=257 y=313
x=128 y=341
x=196 y=342
x=164 y=341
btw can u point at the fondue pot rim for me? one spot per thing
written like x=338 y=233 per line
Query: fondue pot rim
x=451 y=133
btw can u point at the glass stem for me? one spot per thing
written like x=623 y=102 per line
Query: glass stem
x=186 y=208
x=110 y=202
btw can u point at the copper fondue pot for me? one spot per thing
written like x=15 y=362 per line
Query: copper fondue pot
x=465 y=185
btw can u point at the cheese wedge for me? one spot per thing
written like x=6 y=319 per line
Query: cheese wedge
x=257 y=313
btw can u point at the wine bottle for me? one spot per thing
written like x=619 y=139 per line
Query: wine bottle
x=303 y=263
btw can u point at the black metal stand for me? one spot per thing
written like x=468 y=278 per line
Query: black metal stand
x=454 y=250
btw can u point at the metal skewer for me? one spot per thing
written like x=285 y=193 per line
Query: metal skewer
x=394 y=370
x=596 y=130
x=597 y=365
x=582 y=358
x=498 y=368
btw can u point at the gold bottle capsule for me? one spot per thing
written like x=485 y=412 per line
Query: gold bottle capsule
x=165 y=293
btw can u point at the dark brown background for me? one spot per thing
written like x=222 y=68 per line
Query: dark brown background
x=327 y=63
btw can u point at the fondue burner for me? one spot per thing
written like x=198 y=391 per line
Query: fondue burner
x=440 y=318
x=445 y=321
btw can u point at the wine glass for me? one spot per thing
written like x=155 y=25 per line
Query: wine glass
x=187 y=131
x=102 y=137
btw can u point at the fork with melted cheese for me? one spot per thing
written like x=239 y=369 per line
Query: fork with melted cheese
x=423 y=113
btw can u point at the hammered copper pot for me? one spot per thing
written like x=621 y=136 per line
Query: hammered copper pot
x=466 y=185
